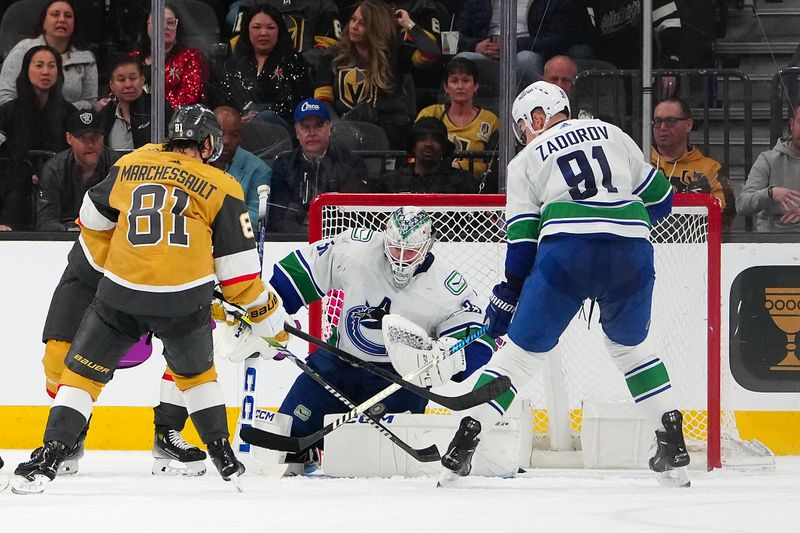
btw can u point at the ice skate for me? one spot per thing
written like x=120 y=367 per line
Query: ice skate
x=229 y=467
x=47 y=459
x=457 y=462
x=173 y=456
x=671 y=458
x=68 y=467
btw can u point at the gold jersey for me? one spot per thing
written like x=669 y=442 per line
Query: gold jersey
x=472 y=137
x=164 y=228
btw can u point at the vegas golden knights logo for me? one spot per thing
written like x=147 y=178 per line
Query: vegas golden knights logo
x=764 y=322
x=353 y=86
x=295 y=24
x=461 y=143
x=783 y=305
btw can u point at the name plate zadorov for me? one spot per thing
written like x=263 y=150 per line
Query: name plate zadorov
x=360 y=450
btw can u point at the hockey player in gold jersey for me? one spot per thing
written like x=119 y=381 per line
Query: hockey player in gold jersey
x=163 y=227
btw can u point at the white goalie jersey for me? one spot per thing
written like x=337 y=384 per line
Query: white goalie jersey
x=438 y=298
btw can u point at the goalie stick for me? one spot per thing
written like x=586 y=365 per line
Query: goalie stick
x=423 y=455
x=456 y=403
x=489 y=391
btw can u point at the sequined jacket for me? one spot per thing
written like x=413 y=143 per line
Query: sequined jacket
x=186 y=73
x=277 y=88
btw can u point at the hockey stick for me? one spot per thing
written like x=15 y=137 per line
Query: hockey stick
x=424 y=455
x=494 y=388
x=250 y=379
x=489 y=391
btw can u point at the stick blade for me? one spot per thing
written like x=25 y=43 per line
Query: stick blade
x=427 y=455
x=272 y=441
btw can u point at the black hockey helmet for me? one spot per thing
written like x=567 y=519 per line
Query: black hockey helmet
x=196 y=123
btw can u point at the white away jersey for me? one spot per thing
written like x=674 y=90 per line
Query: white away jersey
x=438 y=298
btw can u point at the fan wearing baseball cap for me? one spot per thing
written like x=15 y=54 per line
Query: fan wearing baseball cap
x=66 y=176
x=314 y=167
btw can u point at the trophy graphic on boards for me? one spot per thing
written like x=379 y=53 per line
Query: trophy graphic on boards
x=783 y=305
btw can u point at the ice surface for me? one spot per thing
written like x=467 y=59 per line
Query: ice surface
x=115 y=492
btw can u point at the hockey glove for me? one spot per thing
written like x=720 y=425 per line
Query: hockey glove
x=502 y=304
x=267 y=317
x=237 y=343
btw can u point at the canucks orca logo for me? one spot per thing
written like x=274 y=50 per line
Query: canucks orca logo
x=366 y=317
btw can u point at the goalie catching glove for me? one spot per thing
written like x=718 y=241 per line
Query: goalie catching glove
x=410 y=347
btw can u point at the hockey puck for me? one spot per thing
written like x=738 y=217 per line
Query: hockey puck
x=377 y=410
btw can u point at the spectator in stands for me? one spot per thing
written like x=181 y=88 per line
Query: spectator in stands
x=561 y=70
x=618 y=26
x=688 y=170
x=125 y=115
x=311 y=23
x=185 y=68
x=248 y=169
x=314 y=167
x=366 y=78
x=544 y=29
x=771 y=193
x=67 y=176
x=469 y=127
x=34 y=120
x=432 y=171
x=266 y=76
x=56 y=27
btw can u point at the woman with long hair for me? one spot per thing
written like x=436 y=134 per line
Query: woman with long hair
x=35 y=120
x=57 y=27
x=185 y=68
x=265 y=76
x=365 y=80
x=471 y=127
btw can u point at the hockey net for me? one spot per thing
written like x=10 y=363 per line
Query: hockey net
x=685 y=316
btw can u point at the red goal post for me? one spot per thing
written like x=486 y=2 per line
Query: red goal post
x=686 y=301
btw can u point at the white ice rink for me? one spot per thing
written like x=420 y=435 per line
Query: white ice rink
x=115 y=492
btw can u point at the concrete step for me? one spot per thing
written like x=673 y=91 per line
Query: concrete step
x=754 y=48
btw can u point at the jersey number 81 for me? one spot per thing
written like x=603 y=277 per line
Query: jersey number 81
x=146 y=219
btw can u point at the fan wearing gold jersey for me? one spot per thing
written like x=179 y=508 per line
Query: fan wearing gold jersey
x=163 y=227
x=470 y=127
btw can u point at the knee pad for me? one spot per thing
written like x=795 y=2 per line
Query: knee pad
x=53 y=361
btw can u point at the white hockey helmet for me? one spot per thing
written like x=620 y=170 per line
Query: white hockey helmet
x=407 y=239
x=551 y=99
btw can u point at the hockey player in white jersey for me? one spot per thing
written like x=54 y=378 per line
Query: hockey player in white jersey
x=580 y=204
x=377 y=273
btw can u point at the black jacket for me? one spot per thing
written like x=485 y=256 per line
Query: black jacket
x=472 y=22
x=296 y=181
x=61 y=190
x=557 y=26
x=445 y=179
x=140 y=119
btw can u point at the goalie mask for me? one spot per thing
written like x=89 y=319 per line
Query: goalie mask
x=551 y=99
x=408 y=238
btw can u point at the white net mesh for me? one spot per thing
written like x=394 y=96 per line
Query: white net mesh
x=473 y=238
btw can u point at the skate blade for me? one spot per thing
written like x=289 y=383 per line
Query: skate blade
x=170 y=467
x=448 y=478
x=68 y=468
x=3 y=483
x=237 y=482
x=677 y=477
x=24 y=486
